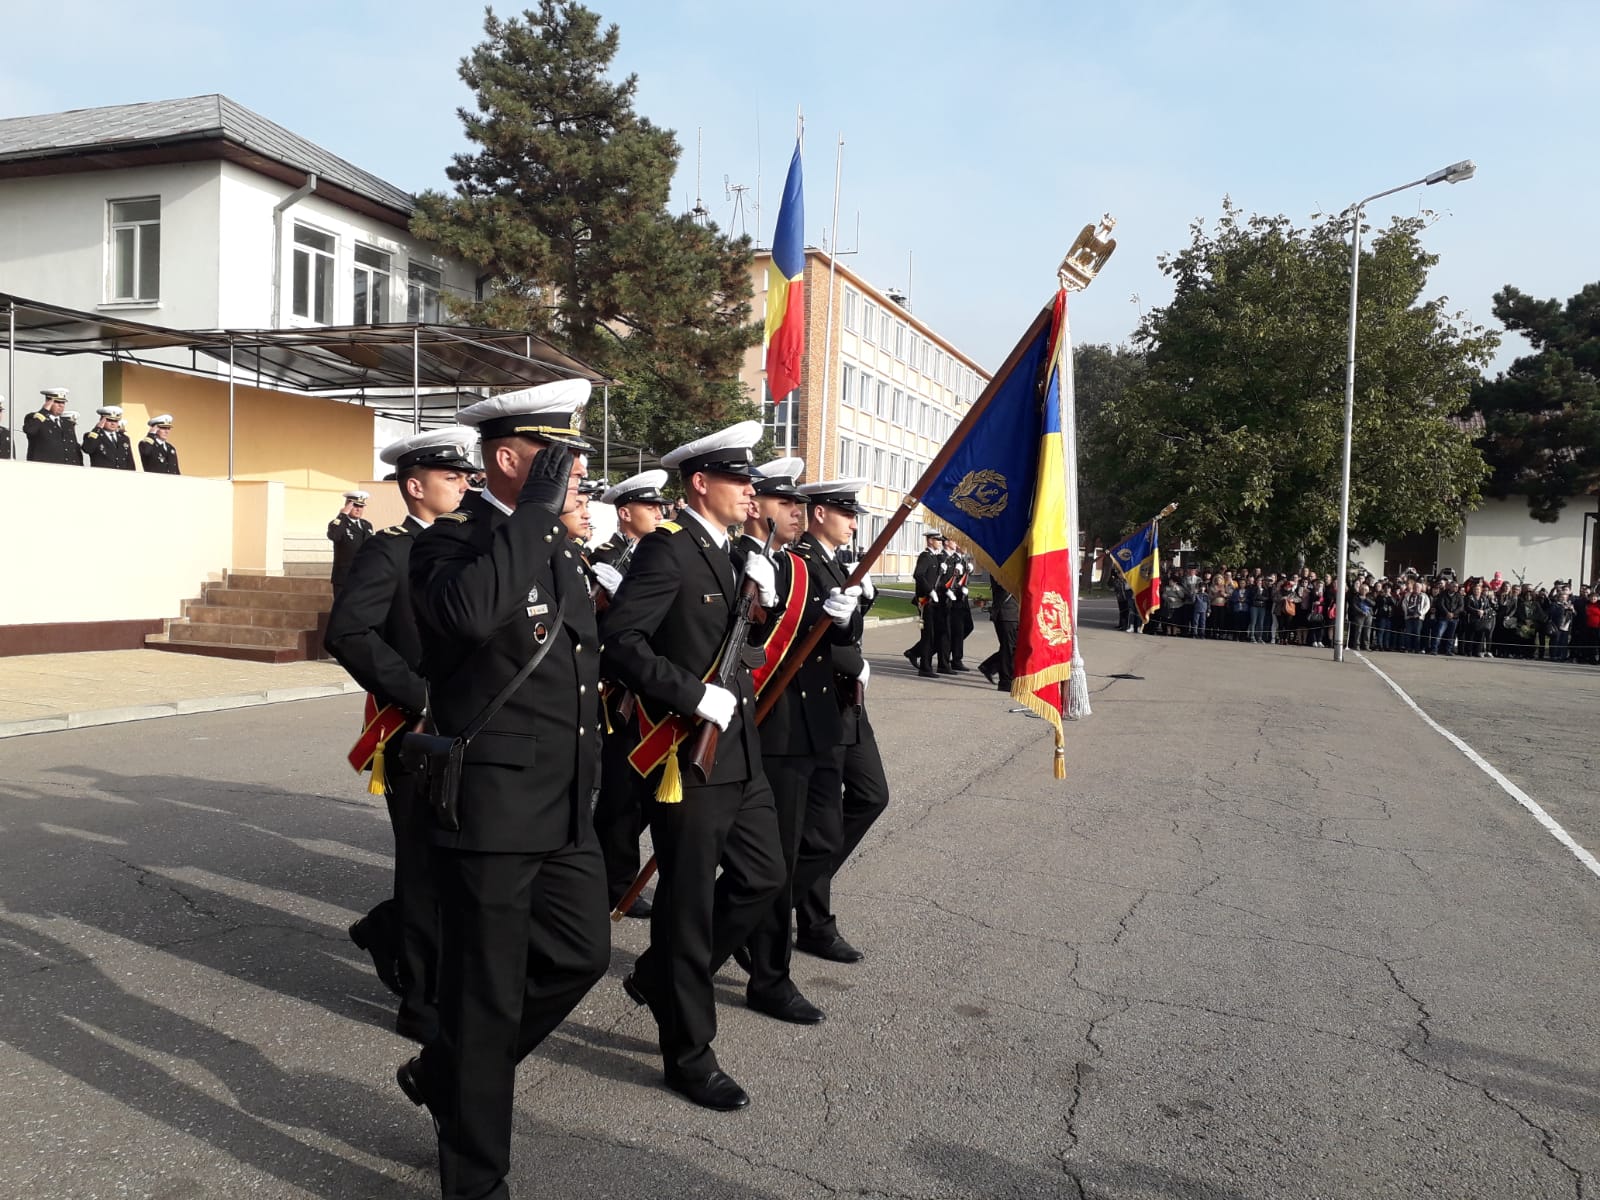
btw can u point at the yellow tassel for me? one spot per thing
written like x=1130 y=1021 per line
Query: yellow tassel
x=376 y=785
x=671 y=789
x=1061 y=757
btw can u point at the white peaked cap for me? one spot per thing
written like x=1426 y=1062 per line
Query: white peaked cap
x=110 y=410
x=550 y=412
x=446 y=447
x=727 y=450
x=782 y=468
x=644 y=486
x=163 y=419
x=841 y=493
x=358 y=495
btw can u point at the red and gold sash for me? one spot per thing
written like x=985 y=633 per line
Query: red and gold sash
x=378 y=726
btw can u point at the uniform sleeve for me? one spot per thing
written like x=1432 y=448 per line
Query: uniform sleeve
x=467 y=593
x=355 y=625
x=335 y=529
x=636 y=613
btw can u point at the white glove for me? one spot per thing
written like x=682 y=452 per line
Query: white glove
x=608 y=576
x=934 y=595
x=963 y=592
x=949 y=593
x=70 y=416
x=841 y=606
x=758 y=567
x=717 y=706
x=866 y=673
x=867 y=590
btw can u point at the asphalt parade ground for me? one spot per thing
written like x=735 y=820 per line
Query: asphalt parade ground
x=1274 y=936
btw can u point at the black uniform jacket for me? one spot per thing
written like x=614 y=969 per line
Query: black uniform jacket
x=927 y=572
x=486 y=588
x=610 y=550
x=158 y=457
x=5 y=442
x=347 y=535
x=664 y=629
x=108 y=448
x=52 y=439
x=805 y=718
x=371 y=630
x=847 y=657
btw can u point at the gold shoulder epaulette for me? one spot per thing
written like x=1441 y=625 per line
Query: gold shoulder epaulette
x=670 y=527
x=143 y=440
x=94 y=433
x=394 y=530
x=459 y=517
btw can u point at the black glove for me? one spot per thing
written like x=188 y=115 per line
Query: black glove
x=546 y=485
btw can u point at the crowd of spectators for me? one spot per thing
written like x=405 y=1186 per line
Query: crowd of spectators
x=1485 y=618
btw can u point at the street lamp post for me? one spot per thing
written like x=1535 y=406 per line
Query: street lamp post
x=1455 y=173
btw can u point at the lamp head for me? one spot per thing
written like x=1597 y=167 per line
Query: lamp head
x=1454 y=173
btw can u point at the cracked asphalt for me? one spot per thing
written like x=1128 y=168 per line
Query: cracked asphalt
x=1272 y=937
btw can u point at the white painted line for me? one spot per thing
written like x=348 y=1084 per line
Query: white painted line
x=1489 y=769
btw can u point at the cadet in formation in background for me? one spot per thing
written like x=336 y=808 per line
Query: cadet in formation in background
x=157 y=454
x=927 y=575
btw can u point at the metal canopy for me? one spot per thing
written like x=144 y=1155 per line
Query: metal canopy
x=348 y=360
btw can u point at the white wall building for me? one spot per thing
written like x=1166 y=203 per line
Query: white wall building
x=199 y=214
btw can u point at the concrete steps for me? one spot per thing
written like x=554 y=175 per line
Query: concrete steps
x=260 y=618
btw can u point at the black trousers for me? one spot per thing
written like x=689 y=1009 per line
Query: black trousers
x=960 y=626
x=619 y=813
x=834 y=829
x=935 y=643
x=525 y=937
x=701 y=916
x=1003 y=662
x=416 y=909
x=791 y=777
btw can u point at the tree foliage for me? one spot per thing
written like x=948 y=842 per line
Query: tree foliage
x=1541 y=418
x=561 y=204
x=1101 y=374
x=1239 y=414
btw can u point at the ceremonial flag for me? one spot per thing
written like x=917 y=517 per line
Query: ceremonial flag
x=1004 y=488
x=786 y=331
x=1138 y=557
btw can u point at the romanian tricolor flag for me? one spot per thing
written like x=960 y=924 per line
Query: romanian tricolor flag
x=1004 y=489
x=786 y=316
x=1138 y=557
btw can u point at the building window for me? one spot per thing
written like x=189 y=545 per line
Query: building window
x=883 y=397
x=844 y=455
x=847 y=388
x=900 y=340
x=371 y=286
x=897 y=410
x=852 y=310
x=864 y=396
x=422 y=294
x=313 y=274
x=877 y=466
x=867 y=322
x=776 y=418
x=861 y=460
x=136 y=250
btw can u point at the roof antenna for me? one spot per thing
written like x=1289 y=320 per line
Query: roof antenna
x=699 y=214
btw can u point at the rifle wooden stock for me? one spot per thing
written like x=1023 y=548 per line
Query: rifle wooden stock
x=703 y=757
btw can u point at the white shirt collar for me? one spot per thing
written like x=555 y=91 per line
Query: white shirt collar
x=718 y=534
x=491 y=498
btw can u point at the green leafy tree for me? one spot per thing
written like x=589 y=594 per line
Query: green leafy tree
x=561 y=204
x=1239 y=416
x=1541 y=418
x=1101 y=374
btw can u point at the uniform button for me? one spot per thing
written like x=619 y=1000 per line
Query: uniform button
x=568 y=553
x=802 y=695
x=819 y=658
x=549 y=537
x=580 y=730
x=582 y=688
x=578 y=648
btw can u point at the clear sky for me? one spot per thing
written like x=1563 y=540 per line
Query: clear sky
x=978 y=138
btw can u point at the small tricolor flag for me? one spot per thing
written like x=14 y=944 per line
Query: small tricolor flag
x=786 y=329
x=1138 y=557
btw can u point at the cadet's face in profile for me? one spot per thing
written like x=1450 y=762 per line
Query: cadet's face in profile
x=838 y=527
x=439 y=490
x=786 y=517
x=726 y=497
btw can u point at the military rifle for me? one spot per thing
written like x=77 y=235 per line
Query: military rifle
x=747 y=611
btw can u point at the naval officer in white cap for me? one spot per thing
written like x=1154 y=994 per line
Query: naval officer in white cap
x=663 y=633
x=348 y=531
x=522 y=897
x=52 y=432
x=106 y=445
x=157 y=454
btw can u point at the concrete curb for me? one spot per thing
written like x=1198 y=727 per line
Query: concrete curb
x=174 y=708
x=877 y=623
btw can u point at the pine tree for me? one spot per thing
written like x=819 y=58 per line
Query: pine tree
x=561 y=204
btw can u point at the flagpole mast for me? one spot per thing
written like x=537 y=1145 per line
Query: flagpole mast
x=827 y=336
x=789 y=401
x=1077 y=697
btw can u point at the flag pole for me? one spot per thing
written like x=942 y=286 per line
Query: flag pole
x=827 y=336
x=1077 y=697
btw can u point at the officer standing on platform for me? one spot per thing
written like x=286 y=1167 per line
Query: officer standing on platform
x=521 y=885
x=835 y=824
x=663 y=635
x=157 y=455
x=5 y=431
x=619 y=811
x=348 y=532
x=935 y=640
x=373 y=635
x=52 y=432
x=106 y=445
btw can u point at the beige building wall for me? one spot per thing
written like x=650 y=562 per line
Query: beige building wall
x=885 y=390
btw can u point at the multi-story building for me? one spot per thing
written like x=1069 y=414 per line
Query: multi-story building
x=876 y=399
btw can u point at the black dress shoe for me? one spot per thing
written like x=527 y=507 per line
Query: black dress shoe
x=910 y=656
x=960 y=667
x=717 y=1090
x=946 y=671
x=386 y=965
x=926 y=674
x=834 y=949
x=742 y=957
x=640 y=909
x=631 y=985
x=988 y=672
x=409 y=1076
x=795 y=1009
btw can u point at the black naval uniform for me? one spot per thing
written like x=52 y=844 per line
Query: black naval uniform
x=347 y=534
x=611 y=550
x=521 y=888
x=798 y=739
x=52 y=439
x=373 y=635
x=662 y=633
x=927 y=576
x=619 y=811
x=1006 y=613
x=109 y=448
x=5 y=442
x=960 y=611
x=158 y=457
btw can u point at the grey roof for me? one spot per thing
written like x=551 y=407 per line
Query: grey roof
x=158 y=122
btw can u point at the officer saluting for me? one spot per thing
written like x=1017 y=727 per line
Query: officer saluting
x=157 y=455
x=521 y=885
x=348 y=532
x=663 y=634
x=373 y=635
x=52 y=432
x=106 y=445
x=835 y=825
